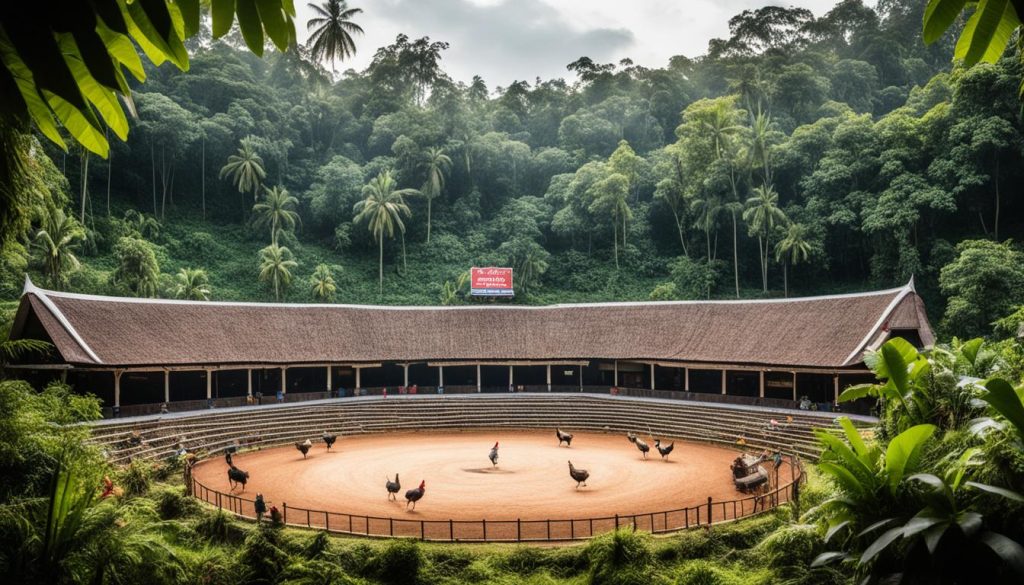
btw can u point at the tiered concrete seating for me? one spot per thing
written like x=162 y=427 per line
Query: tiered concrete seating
x=281 y=424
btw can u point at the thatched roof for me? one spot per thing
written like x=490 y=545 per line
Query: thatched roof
x=818 y=332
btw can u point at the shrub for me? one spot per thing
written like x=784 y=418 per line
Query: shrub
x=792 y=545
x=704 y=573
x=135 y=478
x=219 y=527
x=173 y=503
x=262 y=558
x=399 y=563
x=622 y=557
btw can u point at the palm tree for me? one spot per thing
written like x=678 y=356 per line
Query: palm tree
x=323 y=283
x=382 y=209
x=721 y=126
x=245 y=168
x=147 y=226
x=275 y=267
x=276 y=211
x=532 y=267
x=332 y=38
x=794 y=248
x=763 y=214
x=707 y=210
x=57 y=240
x=760 y=149
x=192 y=284
x=438 y=165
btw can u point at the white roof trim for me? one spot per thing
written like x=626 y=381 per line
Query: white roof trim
x=102 y=298
x=906 y=290
x=41 y=294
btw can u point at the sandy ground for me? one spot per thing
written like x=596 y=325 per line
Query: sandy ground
x=530 y=482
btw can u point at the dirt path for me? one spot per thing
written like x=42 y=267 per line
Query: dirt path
x=530 y=482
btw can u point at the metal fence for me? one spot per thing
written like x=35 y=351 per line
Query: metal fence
x=705 y=514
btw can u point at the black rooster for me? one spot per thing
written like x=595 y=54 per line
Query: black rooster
x=329 y=439
x=304 y=447
x=493 y=455
x=392 y=487
x=564 y=437
x=227 y=458
x=664 y=450
x=413 y=496
x=236 y=476
x=580 y=475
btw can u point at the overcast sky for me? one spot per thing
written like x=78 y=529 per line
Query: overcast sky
x=506 y=40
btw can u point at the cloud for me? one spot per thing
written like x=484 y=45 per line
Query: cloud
x=501 y=40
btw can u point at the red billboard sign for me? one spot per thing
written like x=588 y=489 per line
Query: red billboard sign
x=490 y=282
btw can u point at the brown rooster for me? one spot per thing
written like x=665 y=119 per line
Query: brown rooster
x=580 y=475
x=304 y=447
x=414 y=495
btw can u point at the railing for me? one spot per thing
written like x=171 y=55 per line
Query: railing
x=705 y=514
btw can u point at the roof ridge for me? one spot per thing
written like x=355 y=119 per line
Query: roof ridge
x=42 y=295
x=30 y=287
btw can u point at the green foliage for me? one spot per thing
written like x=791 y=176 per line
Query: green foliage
x=398 y=563
x=984 y=283
x=276 y=266
x=137 y=268
x=192 y=284
x=622 y=557
x=135 y=478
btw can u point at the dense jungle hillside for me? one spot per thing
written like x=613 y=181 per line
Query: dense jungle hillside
x=800 y=155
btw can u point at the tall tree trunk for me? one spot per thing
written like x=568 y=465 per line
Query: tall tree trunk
x=152 y=165
x=203 y=177
x=380 y=263
x=405 y=267
x=785 y=279
x=679 y=228
x=767 y=247
x=163 y=182
x=615 y=240
x=84 y=181
x=995 y=227
x=429 y=199
x=735 y=256
x=761 y=261
x=110 y=167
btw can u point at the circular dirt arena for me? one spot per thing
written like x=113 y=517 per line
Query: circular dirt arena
x=530 y=483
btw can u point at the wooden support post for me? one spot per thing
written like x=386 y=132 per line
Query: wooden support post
x=405 y=375
x=117 y=388
x=549 y=377
x=440 y=376
x=760 y=392
x=510 y=379
x=616 y=367
x=359 y=371
x=209 y=383
x=652 y=376
x=794 y=386
x=167 y=386
x=478 y=382
x=248 y=382
x=724 y=375
x=330 y=375
x=284 y=380
x=686 y=379
x=835 y=383
x=581 y=378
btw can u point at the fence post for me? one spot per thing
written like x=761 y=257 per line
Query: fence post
x=284 y=514
x=634 y=523
x=519 y=530
x=709 y=511
x=327 y=521
x=423 y=531
x=572 y=530
x=591 y=527
x=219 y=505
x=796 y=498
x=451 y=530
x=549 y=529
x=616 y=522
x=485 y=528
x=308 y=524
x=391 y=526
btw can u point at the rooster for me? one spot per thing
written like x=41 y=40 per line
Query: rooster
x=237 y=476
x=663 y=450
x=227 y=458
x=392 y=487
x=640 y=444
x=493 y=456
x=329 y=439
x=304 y=447
x=563 y=438
x=580 y=475
x=413 y=496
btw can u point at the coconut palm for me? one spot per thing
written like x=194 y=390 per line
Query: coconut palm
x=721 y=125
x=245 y=168
x=192 y=284
x=277 y=211
x=332 y=31
x=276 y=265
x=763 y=215
x=438 y=164
x=707 y=209
x=382 y=210
x=793 y=249
x=57 y=240
x=323 y=283
x=147 y=226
